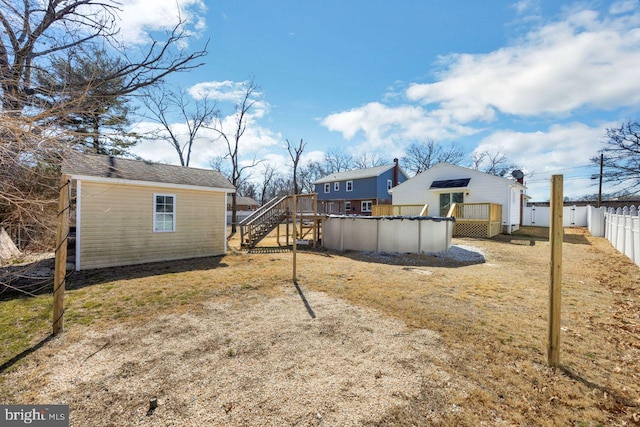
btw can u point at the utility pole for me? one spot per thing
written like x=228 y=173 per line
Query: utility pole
x=600 y=186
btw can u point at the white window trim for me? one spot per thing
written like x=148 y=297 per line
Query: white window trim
x=389 y=184
x=347 y=206
x=364 y=203
x=327 y=188
x=336 y=186
x=349 y=186
x=173 y=227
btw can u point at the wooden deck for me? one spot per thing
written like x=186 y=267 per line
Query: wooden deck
x=476 y=219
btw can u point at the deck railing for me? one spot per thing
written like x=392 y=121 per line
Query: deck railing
x=400 y=210
x=476 y=219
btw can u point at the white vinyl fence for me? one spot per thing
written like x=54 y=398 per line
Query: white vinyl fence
x=539 y=216
x=387 y=234
x=622 y=229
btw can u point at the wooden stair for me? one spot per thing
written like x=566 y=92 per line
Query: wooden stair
x=260 y=223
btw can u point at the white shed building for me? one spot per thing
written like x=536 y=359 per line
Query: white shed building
x=445 y=184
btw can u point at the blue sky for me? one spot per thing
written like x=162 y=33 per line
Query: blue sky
x=537 y=80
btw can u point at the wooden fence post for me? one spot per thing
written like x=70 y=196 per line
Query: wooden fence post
x=295 y=236
x=555 y=288
x=60 y=272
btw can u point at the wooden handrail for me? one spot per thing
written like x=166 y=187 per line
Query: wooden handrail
x=400 y=210
x=277 y=209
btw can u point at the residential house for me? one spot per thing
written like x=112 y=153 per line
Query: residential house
x=243 y=204
x=132 y=212
x=355 y=192
x=445 y=184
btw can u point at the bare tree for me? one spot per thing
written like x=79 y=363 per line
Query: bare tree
x=232 y=140
x=34 y=32
x=367 y=161
x=621 y=160
x=164 y=104
x=493 y=163
x=310 y=173
x=269 y=174
x=295 y=153
x=337 y=160
x=422 y=156
x=30 y=159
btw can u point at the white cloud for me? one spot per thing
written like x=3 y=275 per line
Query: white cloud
x=385 y=127
x=582 y=61
x=254 y=144
x=526 y=6
x=623 y=6
x=562 y=149
x=140 y=17
x=228 y=91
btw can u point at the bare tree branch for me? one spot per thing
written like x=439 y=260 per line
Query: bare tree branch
x=295 y=153
x=195 y=115
x=34 y=31
x=422 y=156
x=621 y=162
x=242 y=109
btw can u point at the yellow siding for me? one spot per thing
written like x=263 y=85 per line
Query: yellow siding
x=116 y=225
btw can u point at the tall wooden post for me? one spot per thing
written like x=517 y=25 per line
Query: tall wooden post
x=295 y=236
x=60 y=272
x=555 y=288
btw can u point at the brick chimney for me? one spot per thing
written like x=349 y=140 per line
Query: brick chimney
x=395 y=172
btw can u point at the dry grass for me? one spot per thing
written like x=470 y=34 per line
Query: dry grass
x=248 y=351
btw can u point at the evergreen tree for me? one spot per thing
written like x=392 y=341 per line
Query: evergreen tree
x=86 y=104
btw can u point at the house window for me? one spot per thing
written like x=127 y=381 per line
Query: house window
x=164 y=212
x=389 y=184
x=347 y=206
x=366 y=206
x=447 y=199
x=327 y=188
x=349 y=185
x=336 y=186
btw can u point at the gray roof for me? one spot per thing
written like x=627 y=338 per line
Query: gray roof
x=357 y=174
x=242 y=200
x=78 y=164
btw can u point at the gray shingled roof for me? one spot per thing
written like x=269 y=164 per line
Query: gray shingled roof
x=355 y=174
x=77 y=164
x=242 y=200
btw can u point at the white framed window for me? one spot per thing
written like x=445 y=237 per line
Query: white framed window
x=366 y=206
x=349 y=185
x=164 y=213
x=347 y=206
x=327 y=188
x=336 y=186
x=389 y=184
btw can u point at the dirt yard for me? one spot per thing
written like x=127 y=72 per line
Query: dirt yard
x=362 y=339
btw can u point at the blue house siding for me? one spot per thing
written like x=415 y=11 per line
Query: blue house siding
x=369 y=187
x=362 y=188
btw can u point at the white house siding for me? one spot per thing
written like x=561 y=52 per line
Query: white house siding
x=483 y=188
x=117 y=225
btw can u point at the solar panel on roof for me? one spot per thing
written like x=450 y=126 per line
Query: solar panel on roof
x=451 y=183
